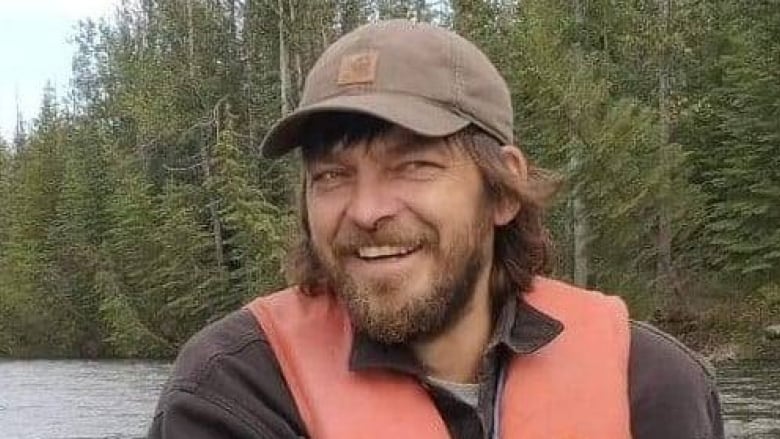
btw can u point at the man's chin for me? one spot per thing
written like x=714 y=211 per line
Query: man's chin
x=385 y=326
x=393 y=315
x=378 y=312
x=373 y=287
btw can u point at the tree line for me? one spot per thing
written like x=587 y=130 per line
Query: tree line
x=136 y=207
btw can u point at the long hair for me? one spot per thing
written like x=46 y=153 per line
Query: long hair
x=522 y=247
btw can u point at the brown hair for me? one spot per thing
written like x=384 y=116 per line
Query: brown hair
x=522 y=248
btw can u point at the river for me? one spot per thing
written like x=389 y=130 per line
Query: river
x=76 y=399
x=750 y=393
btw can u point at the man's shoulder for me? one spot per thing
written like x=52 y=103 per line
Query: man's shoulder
x=651 y=346
x=227 y=373
x=235 y=337
x=672 y=389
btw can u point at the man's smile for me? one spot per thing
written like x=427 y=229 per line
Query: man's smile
x=369 y=253
x=384 y=260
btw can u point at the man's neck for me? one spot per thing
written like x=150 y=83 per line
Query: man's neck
x=456 y=354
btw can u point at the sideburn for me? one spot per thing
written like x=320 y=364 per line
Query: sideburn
x=302 y=267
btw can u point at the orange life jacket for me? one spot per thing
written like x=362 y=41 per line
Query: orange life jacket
x=574 y=387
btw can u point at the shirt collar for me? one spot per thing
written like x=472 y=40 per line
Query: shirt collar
x=519 y=327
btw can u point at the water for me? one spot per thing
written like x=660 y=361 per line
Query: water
x=750 y=394
x=115 y=399
x=78 y=399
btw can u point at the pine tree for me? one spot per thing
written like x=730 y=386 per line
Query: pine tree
x=255 y=229
x=734 y=135
x=41 y=317
x=77 y=230
x=126 y=273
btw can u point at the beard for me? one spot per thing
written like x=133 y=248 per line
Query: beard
x=381 y=308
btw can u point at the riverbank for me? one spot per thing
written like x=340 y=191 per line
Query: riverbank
x=727 y=331
x=717 y=340
x=720 y=327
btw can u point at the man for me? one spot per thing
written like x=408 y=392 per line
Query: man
x=419 y=309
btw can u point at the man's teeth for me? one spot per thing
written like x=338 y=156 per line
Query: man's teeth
x=383 y=251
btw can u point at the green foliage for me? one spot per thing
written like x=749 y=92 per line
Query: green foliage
x=186 y=279
x=128 y=336
x=5 y=191
x=732 y=132
x=255 y=228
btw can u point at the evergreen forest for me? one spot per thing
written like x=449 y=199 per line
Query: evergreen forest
x=135 y=208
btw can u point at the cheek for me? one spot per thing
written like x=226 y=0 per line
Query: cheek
x=322 y=221
x=448 y=207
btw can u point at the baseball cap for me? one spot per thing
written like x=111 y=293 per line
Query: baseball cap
x=424 y=78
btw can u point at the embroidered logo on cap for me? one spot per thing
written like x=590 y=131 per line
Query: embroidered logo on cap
x=359 y=68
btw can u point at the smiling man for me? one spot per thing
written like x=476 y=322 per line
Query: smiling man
x=418 y=306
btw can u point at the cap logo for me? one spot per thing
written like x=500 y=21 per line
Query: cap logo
x=359 y=68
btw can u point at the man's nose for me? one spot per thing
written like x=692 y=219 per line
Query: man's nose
x=373 y=200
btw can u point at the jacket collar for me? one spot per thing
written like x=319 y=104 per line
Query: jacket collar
x=520 y=328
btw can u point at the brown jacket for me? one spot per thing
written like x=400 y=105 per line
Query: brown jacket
x=226 y=383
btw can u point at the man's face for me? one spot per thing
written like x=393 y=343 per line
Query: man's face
x=403 y=226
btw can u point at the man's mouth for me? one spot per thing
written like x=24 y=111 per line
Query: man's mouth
x=373 y=253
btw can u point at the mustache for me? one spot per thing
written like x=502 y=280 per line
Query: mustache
x=350 y=239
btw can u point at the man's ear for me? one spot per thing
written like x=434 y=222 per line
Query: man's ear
x=509 y=206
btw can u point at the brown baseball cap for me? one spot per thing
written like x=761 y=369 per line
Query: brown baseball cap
x=424 y=78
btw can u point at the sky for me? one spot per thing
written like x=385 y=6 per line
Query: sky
x=34 y=48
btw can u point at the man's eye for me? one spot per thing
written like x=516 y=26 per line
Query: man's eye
x=417 y=164
x=328 y=176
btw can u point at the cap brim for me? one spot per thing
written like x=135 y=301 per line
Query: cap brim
x=418 y=115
